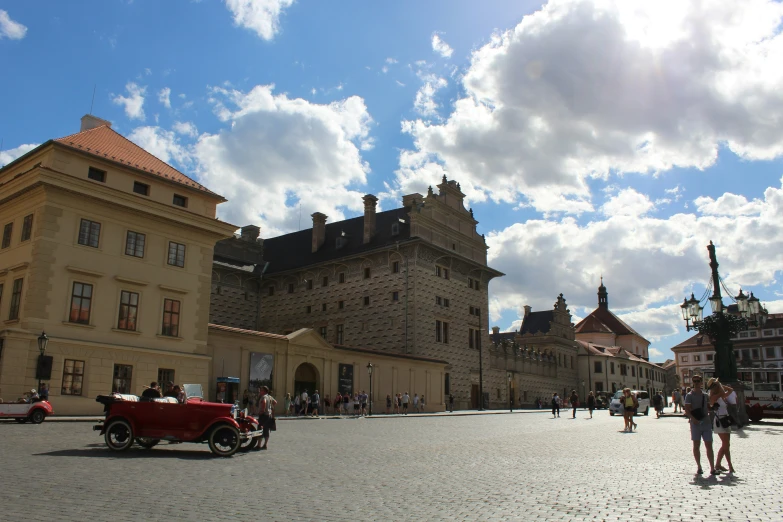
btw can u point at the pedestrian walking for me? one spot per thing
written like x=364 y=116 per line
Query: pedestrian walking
x=719 y=395
x=591 y=403
x=658 y=404
x=451 y=403
x=630 y=404
x=405 y=400
x=388 y=403
x=356 y=405
x=315 y=402
x=267 y=417
x=416 y=402
x=555 y=406
x=327 y=404
x=305 y=402
x=676 y=398
x=697 y=412
x=421 y=404
x=43 y=392
x=574 y=403
x=346 y=400
x=338 y=403
x=286 y=403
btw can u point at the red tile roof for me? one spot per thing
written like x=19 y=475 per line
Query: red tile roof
x=608 y=320
x=108 y=144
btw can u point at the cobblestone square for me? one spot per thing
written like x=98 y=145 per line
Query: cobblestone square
x=522 y=466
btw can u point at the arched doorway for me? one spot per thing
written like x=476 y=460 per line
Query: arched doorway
x=305 y=378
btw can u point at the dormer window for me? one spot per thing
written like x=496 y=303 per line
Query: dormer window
x=395 y=229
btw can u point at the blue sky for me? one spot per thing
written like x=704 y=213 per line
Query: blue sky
x=592 y=138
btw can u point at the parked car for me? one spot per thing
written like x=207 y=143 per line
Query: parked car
x=148 y=421
x=602 y=399
x=34 y=411
x=616 y=406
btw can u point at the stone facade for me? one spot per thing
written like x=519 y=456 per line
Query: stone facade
x=412 y=280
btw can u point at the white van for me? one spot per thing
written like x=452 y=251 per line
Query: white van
x=616 y=406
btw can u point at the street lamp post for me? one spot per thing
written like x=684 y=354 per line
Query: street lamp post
x=369 y=371
x=43 y=340
x=721 y=326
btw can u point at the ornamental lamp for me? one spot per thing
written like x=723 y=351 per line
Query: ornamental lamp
x=43 y=340
x=685 y=307
x=716 y=304
x=369 y=368
x=742 y=303
x=753 y=305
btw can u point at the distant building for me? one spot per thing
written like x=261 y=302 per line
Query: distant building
x=612 y=368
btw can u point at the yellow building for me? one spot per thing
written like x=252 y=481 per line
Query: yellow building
x=108 y=250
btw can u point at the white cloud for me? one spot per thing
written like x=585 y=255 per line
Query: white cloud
x=728 y=205
x=583 y=89
x=627 y=202
x=398 y=82
x=391 y=61
x=7 y=156
x=9 y=28
x=185 y=128
x=134 y=102
x=261 y=16
x=425 y=97
x=441 y=47
x=163 y=144
x=164 y=97
x=649 y=264
x=278 y=153
x=384 y=69
x=147 y=71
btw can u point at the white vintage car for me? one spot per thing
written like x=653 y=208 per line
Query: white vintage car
x=35 y=411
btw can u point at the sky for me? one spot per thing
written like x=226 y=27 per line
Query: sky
x=592 y=138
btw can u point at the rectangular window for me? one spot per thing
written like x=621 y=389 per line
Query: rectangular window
x=16 y=299
x=445 y=273
x=309 y=284
x=438 y=331
x=325 y=281
x=81 y=303
x=396 y=267
x=271 y=291
x=395 y=296
x=471 y=311
x=470 y=338
x=445 y=302
x=470 y=283
x=322 y=331
x=633 y=371
x=290 y=288
x=598 y=367
x=27 y=227
x=141 y=188
x=89 y=233
x=323 y=307
x=340 y=305
x=684 y=358
x=73 y=375
x=366 y=300
x=367 y=273
x=129 y=308
x=338 y=334
x=572 y=360
x=770 y=352
x=438 y=300
x=308 y=309
x=176 y=254
x=611 y=368
x=8 y=229
x=754 y=353
x=121 y=379
x=165 y=376
x=180 y=201
x=442 y=332
x=697 y=358
x=437 y=271
x=768 y=333
x=134 y=244
x=341 y=277
x=96 y=175
x=170 y=318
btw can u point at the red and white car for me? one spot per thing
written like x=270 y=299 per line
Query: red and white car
x=34 y=412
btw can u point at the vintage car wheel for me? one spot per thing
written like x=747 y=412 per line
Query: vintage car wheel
x=119 y=435
x=37 y=416
x=146 y=442
x=251 y=443
x=224 y=440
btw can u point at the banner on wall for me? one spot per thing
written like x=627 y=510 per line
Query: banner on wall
x=345 y=379
x=261 y=367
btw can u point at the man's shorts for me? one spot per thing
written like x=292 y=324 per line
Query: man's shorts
x=701 y=431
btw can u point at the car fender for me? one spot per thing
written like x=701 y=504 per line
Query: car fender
x=45 y=406
x=218 y=421
x=113 y=418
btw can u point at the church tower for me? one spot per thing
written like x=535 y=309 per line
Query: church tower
x=603 y=299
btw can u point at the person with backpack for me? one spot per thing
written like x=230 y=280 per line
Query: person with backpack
x=555 y=405
x=315 y=402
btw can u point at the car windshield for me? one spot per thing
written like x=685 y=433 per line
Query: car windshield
x=193 y=390
x=619 y=394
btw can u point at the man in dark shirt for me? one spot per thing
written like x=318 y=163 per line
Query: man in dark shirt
x=170 y=391
x=153 y=392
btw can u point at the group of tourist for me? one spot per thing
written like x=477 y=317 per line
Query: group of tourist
x=709 y=413
x=154 y=391
x=305 y=404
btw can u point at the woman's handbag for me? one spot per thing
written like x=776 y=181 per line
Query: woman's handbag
x=724 y=422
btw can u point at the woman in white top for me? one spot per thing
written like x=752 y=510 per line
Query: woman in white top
x=722 y=395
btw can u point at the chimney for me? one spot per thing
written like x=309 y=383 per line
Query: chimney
x=527 y=310
x=250 y=233
x=319 y=230
x=495 y=330
x=369 y=216
x=90 y=122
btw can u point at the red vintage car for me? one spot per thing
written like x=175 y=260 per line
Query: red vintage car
x=148 y=421
x=35 y=411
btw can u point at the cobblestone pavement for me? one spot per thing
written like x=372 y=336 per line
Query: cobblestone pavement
x=525 y=466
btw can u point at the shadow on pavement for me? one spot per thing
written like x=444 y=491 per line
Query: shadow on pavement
x=133 y=453
x=707 y=481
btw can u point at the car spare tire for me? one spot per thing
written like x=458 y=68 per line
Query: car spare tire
x=224 y=440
